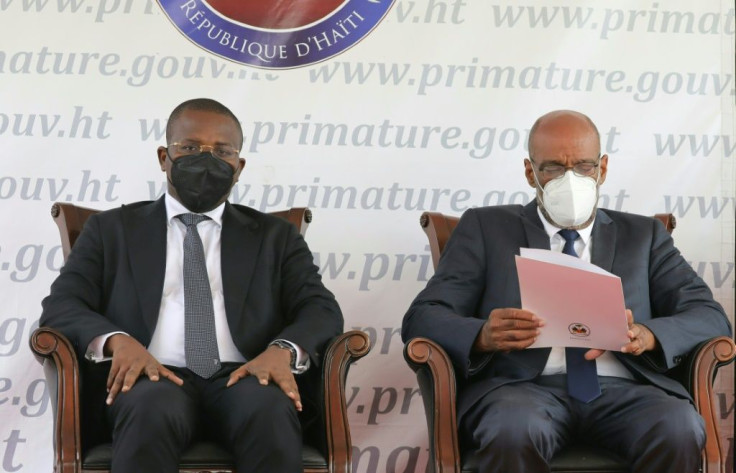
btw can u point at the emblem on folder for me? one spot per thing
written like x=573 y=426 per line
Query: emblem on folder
x=578 y=330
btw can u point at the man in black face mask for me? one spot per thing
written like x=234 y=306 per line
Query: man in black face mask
x=206 y=310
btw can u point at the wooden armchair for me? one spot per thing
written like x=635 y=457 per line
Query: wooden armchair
x=436 y=378
x=332 y=454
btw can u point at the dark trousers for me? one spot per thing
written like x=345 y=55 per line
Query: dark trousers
x=519 y=427
x=155 y=421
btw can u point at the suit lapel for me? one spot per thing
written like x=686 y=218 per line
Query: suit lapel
x=604 y=241
x=145 y=233
x=240 y=245
x=536 y=236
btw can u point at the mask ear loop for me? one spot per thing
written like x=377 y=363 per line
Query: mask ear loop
x=536 y=181
x=598 y=175
x=539 y=195
x=534 y=173
x=168 y=156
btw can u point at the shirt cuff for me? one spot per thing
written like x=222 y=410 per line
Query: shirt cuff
x=302 y=362
x=95 y=349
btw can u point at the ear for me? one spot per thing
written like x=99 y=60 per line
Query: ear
x=529 y=173
x=603 y=169
x=161 y=152
x=241 y=166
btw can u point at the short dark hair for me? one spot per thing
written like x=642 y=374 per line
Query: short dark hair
x=203 y=104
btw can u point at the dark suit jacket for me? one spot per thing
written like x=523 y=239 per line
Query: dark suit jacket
x=477 y=273
x=113 y=281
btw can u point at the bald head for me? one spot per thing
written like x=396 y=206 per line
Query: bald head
x=566 y=127
x=563 y=138
x=562 y=141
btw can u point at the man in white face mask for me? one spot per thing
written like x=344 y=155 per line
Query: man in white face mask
x=518 y=407
x=566 y=170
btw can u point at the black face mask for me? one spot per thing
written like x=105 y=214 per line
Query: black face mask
x=201 y=180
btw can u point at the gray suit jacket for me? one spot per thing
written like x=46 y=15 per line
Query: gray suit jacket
x=477 y=273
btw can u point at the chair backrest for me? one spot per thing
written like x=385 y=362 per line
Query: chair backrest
x=70 y=219
x=439 y=227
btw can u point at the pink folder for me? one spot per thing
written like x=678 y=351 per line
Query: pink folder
x=582 y=304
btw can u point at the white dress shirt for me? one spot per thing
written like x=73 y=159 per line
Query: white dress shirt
x=607 y=364
x=167 y=341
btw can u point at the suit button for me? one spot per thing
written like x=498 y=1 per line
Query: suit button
x=677 y=359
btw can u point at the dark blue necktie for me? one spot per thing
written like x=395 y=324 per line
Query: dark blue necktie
x=582 y=375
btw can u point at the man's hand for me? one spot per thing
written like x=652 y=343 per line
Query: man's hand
x=641 y=339
x=130 y=360
x=508 y=329
x=274 y=364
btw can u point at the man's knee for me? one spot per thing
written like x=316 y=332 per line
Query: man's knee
x=267 y=408
x=274 y=407
x=160 y=406
x=679 y=429
x=515 y=427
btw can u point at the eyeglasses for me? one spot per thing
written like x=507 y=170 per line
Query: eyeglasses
x=224 y=152
x=554 y=171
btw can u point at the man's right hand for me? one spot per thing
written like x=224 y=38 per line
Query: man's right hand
x=507 y=330
x=130 y=360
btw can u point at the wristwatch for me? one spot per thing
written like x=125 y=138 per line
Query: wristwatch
x=286 y=346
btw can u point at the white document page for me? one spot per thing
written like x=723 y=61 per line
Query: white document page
x=582 y=305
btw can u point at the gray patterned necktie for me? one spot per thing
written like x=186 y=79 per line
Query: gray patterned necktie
x=200 y=339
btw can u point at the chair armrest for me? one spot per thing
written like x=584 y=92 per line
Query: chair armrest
x=436 y=378
x=343 y=351
x=702 y=365
x=56 y=354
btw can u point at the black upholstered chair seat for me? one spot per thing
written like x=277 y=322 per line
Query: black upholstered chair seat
x=201 y=455
x=575 y=459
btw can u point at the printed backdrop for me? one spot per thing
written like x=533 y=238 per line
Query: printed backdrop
x=430 y=111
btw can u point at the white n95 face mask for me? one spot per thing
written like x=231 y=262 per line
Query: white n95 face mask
x=570 y=200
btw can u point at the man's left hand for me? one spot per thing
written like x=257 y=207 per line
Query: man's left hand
x=641 y=339
x=274 y=364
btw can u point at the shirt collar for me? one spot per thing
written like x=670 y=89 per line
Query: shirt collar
x=552 y=230
x=174 y=208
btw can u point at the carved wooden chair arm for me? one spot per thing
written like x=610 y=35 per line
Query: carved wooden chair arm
x=702 y=365
x=343 y=351
x=436 y=378
x=56 y=353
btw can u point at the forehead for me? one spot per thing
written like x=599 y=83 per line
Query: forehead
x=206 y=127
x=565 y=138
